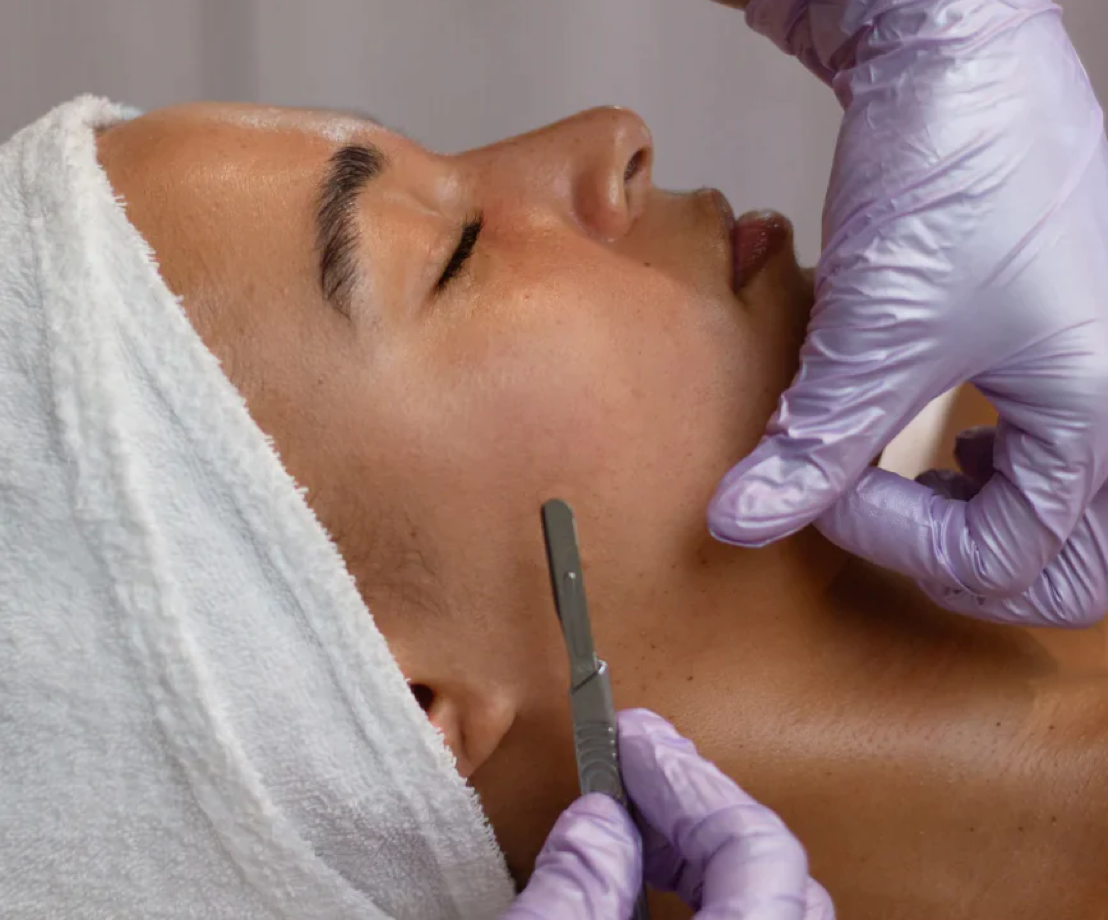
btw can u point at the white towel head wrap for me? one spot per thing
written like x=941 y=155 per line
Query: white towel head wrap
x=198 y=717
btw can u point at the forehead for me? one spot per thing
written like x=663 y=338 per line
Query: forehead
x=336 y=125
x=231 y=167
x=261 y=133
x=225 y=194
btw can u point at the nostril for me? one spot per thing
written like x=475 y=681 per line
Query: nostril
x=424 y=695
x=635 y=164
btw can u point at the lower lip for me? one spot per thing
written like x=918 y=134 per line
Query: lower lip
x=755 y=238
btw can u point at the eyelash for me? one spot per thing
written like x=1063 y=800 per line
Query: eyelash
x=466 y=243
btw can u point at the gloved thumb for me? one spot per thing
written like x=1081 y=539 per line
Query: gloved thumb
x=838 y=415
x=590 y=867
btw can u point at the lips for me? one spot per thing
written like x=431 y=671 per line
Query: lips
x=756 y=236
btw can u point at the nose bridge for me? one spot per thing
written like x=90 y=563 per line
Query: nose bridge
x=579 y=164
x=593 y=133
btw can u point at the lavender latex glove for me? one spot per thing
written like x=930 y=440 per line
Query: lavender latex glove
x=727 y=856
x=965 y=238
x=590 y=866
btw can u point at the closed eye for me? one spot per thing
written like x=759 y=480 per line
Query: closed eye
x=467 y=240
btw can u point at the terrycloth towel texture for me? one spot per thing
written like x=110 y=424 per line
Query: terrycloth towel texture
x=198 y=717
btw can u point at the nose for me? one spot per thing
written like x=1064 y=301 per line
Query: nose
x=597 y=165
x=610 y=155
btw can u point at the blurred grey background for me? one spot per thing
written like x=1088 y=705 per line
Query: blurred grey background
x=725 y=107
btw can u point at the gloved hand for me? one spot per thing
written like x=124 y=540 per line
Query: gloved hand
x=965 y=238
x=727 y=856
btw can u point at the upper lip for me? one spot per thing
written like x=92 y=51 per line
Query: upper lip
x=726 y=212
x=727 y=226
x=725 y=208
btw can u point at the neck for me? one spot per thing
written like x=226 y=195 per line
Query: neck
x=896 y=739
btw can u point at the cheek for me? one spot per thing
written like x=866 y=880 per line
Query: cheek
x=599 y=365
x=629 y=397
x=627 y=392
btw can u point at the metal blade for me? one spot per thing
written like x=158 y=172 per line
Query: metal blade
x=564 y=560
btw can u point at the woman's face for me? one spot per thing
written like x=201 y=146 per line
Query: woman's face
x=525 y=321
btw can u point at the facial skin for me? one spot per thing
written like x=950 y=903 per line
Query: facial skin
x=593 y=349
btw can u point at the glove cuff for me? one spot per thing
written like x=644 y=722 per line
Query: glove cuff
x=809 y=30
x=823 y=33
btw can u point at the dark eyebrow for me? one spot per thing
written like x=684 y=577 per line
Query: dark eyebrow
x=349 y=170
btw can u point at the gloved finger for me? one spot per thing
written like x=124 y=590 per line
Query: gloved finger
x=973 y=452
x=892 y=521
x=1072 y=585
x=898 y=524
x=1023 y=515
x=818 y=904
x=724 y=853
x=1071 y=592
x=590 y=866
x=839 y=413
x=994 y=545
